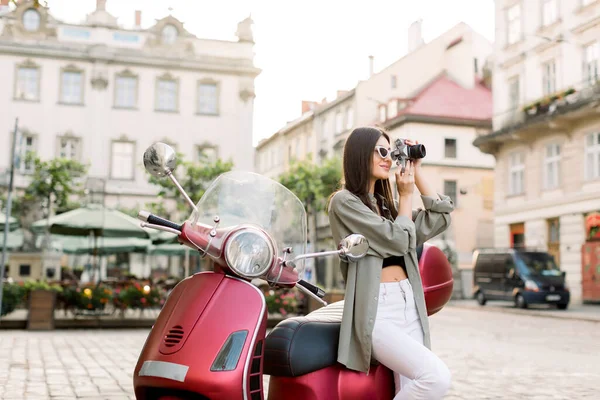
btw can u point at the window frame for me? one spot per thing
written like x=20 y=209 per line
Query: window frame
x=61 y=93
x=447 y=142
x=112 y=159
x=170 y=78
x=514 y=37
x=127 y=74
x=27 y=64
x=217 y=85
x=551 y=158
x=592 y=151
x=518 y=169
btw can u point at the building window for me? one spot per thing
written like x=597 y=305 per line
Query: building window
x=516 y=178
x=552 y=166
x=28 y=87
x=31 y=20
x=513 y=92
x=549 y=12
x=451 y=190
x=126 y=91
x=71 y=87
x=122 y=156
x=208 y=98
x=349 y=118
x=394 y=82
x=69 y=147
x=591 y=57
x=207 y=154
x=26 y=146
x=592 y=156
x=475 y=65
x=449 y=148
x=169 y=34
x=339 y=122
x=166 y=94
x=549 y=77
x=382 y=113
x=24 y=270
x=513 y=15
x=554 y=238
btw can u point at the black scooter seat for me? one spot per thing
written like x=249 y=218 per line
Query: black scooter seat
x=300 y=345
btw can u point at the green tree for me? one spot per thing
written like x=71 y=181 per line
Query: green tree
x=194 y=178
x=313 y=184
x=53 y=185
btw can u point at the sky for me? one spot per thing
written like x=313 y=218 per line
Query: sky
x=307 y=50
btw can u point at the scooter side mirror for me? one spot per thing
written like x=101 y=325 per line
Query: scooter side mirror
x=160 y=160
x=353 y=247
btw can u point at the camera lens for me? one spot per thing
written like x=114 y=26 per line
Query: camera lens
x=416 y=151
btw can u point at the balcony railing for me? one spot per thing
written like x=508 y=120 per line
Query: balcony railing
x=558 y=103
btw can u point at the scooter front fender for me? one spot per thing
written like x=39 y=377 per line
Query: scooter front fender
x=207 y=316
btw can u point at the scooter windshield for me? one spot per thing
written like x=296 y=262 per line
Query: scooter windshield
x=240 y=197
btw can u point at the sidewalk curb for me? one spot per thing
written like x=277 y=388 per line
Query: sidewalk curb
x=526 y=312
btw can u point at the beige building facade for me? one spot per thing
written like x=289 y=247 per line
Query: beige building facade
x=100 y=93
x=546 y=128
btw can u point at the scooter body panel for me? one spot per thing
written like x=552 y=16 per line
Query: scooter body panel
x=334 y=383
x=199 y=320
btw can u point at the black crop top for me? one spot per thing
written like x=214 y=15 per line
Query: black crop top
x=394 y=260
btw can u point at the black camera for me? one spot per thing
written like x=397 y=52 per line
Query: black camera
x=404 y=152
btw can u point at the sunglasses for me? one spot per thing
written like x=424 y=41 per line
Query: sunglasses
x=383 y=152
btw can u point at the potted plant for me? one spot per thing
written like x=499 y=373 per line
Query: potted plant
x=41 y=298
x=12 y=296
x=93 y=297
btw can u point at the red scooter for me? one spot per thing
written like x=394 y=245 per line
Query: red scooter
x=209 y=340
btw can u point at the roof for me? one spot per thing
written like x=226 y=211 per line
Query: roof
x=445 y=98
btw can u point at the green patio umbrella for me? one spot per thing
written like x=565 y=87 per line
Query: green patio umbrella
x=104 y=246
x=12 y=222
x=94 y=220
x=14 y=241
x=165 y=237
x=169 y=249
x=99 y=227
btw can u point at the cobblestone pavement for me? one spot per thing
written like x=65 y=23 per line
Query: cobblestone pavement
x=491 y=355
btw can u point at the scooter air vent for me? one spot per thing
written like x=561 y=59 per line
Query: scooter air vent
x=174 y=336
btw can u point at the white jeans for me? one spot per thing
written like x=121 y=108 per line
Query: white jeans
x=398 y=344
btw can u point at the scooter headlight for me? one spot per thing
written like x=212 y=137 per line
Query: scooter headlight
x=249 y=253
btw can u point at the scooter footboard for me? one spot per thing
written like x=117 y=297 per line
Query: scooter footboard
x=206 y=341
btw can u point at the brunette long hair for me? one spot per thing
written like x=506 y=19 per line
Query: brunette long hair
x=357 y=167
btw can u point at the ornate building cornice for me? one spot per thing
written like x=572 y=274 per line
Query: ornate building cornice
x=130 y=57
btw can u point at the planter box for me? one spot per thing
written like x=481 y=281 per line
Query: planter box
x=41 y=310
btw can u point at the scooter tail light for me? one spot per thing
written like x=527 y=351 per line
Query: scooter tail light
x=230 y=352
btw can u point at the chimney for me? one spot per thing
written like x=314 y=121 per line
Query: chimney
x=100 y=5
x=138 y=19
x=415 y=35
x=308 y=106
x=371 y=65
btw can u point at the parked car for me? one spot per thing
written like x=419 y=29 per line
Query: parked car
x=522 y=275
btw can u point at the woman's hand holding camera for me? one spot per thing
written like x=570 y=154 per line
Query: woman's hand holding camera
x=405 y=179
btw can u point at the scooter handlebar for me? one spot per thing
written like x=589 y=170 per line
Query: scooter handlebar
x=317 y=291
x=155 y=220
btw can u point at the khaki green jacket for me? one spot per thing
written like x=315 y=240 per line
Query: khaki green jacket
x=347 y=215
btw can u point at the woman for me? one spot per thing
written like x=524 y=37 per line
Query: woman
x=385 y=318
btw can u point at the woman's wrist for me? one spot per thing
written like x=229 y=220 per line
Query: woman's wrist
x=422 y=184
x=405 y=204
